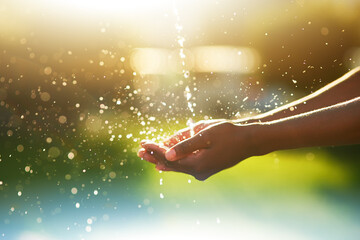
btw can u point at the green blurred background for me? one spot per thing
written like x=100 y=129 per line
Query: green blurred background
x=82 y=82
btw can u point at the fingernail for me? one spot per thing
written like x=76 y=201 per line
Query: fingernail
x=141 y=154
x=170 y=155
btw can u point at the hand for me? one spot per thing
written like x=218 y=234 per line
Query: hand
x=185 y=133
x=155 y=153
x=211 y=150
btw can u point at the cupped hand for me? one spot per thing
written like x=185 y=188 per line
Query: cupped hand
x=209 y=151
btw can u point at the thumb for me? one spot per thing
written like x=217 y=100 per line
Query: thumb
x=187 y=147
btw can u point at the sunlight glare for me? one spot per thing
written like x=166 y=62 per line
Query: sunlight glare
x=112 y=6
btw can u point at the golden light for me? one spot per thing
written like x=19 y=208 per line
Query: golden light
x=160 y=61
x=354 y=56
x=150 y=61
x=103 y=6
x=225 y=59
x=221 y=59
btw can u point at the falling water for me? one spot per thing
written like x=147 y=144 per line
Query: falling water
x=185 y=71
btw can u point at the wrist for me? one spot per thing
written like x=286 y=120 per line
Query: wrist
x=256 y=137
x=273 y=136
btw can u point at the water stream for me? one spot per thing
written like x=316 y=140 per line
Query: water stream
x=185 y=72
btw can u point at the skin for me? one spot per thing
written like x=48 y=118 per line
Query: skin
x=221 y=144
x=342 y=89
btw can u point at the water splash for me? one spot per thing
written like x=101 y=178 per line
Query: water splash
x=185 y=72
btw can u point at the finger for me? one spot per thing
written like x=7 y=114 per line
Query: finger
x=151 y=146
x=161 y=167
x=189 y=162
x=171 y=169
x=185 y=133
x=177 y=137
x=157 y=151
x=141 y=152
x=150 y=158
x=188 y=146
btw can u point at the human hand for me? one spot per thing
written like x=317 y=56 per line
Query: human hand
x=211 y=150
x=186 y=133
x=155 y=153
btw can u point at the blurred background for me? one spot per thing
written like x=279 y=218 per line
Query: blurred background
x=82 y=82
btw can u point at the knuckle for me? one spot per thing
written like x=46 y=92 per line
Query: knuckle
x=227 y=126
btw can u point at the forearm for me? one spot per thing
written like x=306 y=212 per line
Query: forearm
x=343 y=89
x=335 y=125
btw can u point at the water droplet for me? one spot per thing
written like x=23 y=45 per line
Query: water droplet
x=47 y=70
x=89 y=221
x=186 y=74
x=112 y=175
x=45 y=96
x=20 y=148
x=74 y=191
x=54 y=152
x=9 y=133
x=71 y=155
x=181 y=41
x=62 y=119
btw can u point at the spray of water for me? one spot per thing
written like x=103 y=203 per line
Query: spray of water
x=185 y=72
